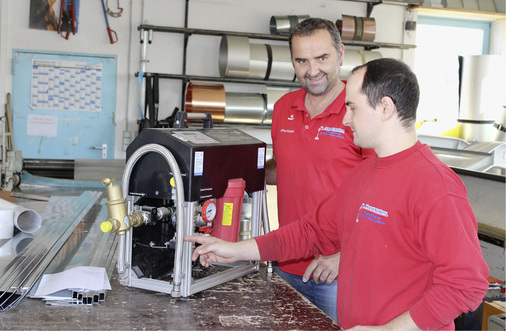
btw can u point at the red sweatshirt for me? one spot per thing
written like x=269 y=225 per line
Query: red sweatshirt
x=408 y=240
x=313 y=155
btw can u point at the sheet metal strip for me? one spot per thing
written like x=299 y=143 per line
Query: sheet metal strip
x=25 y=269
x=87 y=246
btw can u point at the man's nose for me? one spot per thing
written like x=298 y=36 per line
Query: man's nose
x=347 y=118
x=314 y=69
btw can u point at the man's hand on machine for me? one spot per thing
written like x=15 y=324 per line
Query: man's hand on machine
x=214 y=250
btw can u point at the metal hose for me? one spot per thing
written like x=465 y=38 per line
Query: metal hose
x=176 y=289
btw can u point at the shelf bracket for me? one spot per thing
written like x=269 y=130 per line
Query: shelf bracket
x=370 y=6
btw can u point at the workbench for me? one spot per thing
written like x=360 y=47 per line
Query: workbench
x=260 y=300
x=254 y=302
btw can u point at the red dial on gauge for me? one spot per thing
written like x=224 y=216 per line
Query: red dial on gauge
x=209 y=211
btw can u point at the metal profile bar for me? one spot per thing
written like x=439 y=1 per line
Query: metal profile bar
x=224 y=276
x=28 y=266
x=85 y=202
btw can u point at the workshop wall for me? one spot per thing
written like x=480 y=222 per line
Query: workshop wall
x=165 y=53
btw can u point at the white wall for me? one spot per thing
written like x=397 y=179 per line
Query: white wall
x=165 y=53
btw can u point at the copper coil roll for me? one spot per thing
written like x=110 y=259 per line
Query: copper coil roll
x=232 y=107
x=357 y=28
x=206 y=98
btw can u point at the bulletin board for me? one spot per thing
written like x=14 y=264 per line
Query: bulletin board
x=63 y=104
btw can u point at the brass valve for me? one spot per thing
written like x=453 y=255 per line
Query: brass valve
x=116 y=208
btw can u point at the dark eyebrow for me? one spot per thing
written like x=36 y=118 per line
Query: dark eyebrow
x=347 y=103
x=316 y=57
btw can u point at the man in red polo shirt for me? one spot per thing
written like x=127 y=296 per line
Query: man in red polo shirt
x=410 y=254
x=313 y=150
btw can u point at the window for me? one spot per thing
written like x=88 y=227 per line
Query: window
x=440 y=42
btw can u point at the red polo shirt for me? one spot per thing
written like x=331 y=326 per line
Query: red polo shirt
x=312 y=155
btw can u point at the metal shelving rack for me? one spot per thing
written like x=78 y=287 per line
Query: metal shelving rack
x=146 y=30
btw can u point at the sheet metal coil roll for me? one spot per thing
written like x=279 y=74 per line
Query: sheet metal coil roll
x=258 y=61
x=234 y=56
x=209 y=98
x=245 y=108
x=353 y=58
x=285 y=24
x=281 y=63
x=241 y=59
x=273 y=95
x=357 y=28
x=482 y=86
x=232 y=107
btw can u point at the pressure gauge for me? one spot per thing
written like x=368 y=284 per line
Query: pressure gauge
x=209 y=211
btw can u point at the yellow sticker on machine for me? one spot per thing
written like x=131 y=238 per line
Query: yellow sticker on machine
x=228 y=210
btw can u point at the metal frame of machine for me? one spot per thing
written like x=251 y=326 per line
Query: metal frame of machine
x=126 y=212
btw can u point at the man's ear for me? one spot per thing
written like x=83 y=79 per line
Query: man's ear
x=341 y=57
x=388 y=108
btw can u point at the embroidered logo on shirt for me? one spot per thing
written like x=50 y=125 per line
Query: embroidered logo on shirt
x=328 y=131
x=286 y=131
x=291 y=118
x=371 y=213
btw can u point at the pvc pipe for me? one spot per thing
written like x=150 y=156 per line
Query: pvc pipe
x=26 y=220
x=6 y=223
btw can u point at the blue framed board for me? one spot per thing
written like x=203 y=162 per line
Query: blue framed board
x=63 y=104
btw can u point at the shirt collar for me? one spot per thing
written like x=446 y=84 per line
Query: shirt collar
x=334 y=108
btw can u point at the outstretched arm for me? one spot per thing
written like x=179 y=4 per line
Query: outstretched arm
x=214 y=250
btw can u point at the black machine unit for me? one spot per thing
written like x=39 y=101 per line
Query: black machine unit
x=207 y=158
x=155 y=256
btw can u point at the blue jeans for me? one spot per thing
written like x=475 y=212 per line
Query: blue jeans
x=322 y=296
